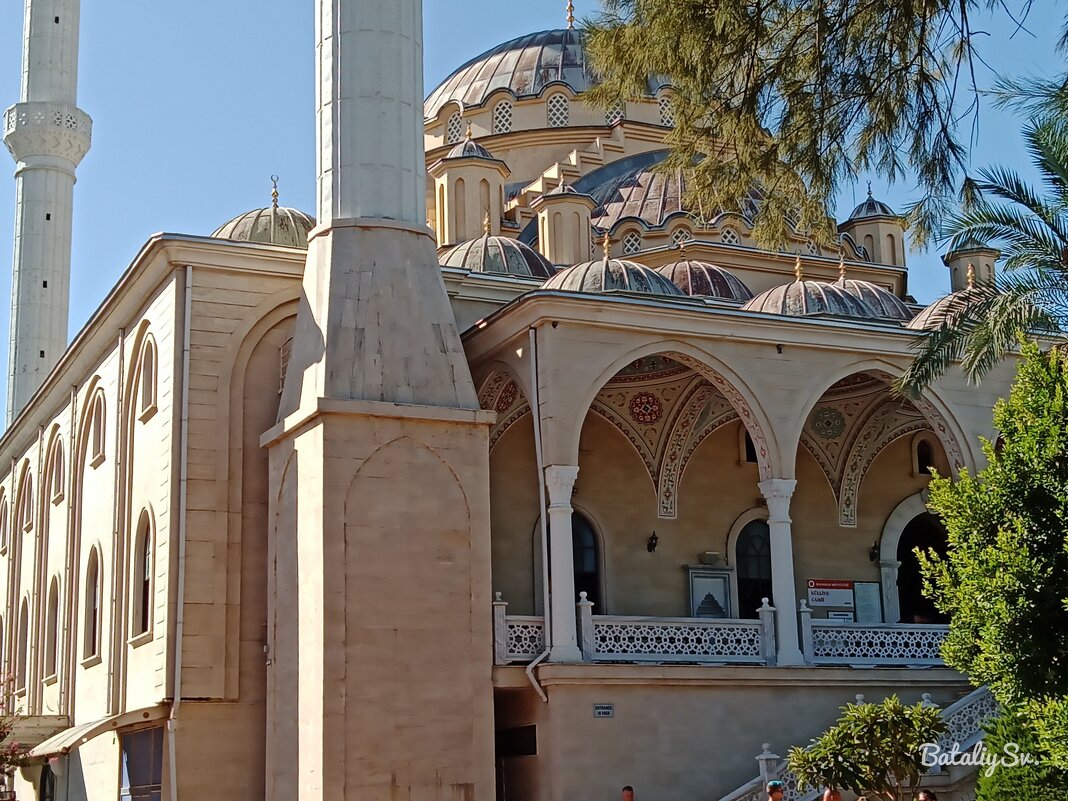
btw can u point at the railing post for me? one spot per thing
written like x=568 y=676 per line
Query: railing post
x=587 y=639
x=500 y=630
x=768 y=762
x=766 y=612
x=806 y=632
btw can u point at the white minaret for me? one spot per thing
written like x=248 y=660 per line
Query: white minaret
x=48 y=135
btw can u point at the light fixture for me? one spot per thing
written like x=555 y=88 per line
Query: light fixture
x=873 y=552
x=650 y=546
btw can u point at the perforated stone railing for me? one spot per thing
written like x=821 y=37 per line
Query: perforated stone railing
x=964 y=723
x=828 y=642
x=516 y=638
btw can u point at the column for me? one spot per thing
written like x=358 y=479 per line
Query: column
x=778 y=492
x=891 y=601
x=560 y=481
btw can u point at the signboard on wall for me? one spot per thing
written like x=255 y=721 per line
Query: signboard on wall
x=827 y=593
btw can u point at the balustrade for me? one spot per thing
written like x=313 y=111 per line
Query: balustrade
x=832 y=642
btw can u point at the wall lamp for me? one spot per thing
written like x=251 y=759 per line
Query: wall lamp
x=873 y=552
x=654 y=540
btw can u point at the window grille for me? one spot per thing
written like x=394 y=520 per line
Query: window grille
x=728 y=236
x=502 y=117
x=454 y=130
x=632 y=243
x=667 y=111
x=558 y=110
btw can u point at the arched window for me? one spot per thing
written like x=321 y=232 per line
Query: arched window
x=502 y=117
x=728 y=236
x=21 y=651
x=558 y=111
x=667 y=111
x=148 y=379
x=141 y=621
x=51 y=629
x=454 y=129
x=680 y=235
x=615 y=114
x=891 y=250
x=91 y=627
x=58 y=476
x=3 y=524
x=97 y=431
x=925 y=457
x=753 y=567
x=925 y=532
x=26 y=506
x=632 y=243
x=869 y=245
x=587 y=560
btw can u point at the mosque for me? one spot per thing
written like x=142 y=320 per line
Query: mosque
x=507 y=476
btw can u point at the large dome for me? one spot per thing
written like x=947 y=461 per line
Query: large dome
x=802 y=298
x=274 y=225
x=944 y=310
x=525 y=66
x=888 y=305
x=701 y=279
x=498 y=254
x=607 y=275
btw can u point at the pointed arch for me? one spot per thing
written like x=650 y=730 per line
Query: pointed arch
x=51 y=638
x=93 y=591
x=142 y=571
x=22 y=645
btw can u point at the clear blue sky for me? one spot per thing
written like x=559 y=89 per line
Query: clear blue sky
x=196 y=104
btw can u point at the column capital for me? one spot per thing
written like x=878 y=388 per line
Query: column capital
x=560 y=481
x=778 y=492
x=889 y=564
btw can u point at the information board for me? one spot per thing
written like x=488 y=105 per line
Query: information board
x=826 y=593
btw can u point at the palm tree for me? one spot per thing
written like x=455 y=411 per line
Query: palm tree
x=1031 y=227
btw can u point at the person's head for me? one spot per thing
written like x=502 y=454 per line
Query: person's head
x=628 y=793
x=775 y=790
x=926 y=795
x=830 y=794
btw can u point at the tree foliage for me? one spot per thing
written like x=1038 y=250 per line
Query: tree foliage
x=872 y=749
x=1031 y=227
x=1004 y=580
x=799 y=98
x=1042 y=779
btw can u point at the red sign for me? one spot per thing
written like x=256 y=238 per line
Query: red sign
x=830 y=592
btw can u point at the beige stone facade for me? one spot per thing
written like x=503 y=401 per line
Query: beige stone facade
x=271 y=559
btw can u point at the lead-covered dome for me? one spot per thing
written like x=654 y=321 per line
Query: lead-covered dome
x=803 y=298
x=887 y=305
x=871 y=208
x=498 y=254
x=525 y=66
x=274 y=225
x=944 y=310
x=702 y=279
x=607 y=275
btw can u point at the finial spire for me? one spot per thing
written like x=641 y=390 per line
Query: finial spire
x=606 y=243
x=869 y=189
x=570 y=15
x=971 y=276
x=841 y=265
x=682 y=245
x=469 y=129
x=274 y=191
x=487 y=227
x=799 y=271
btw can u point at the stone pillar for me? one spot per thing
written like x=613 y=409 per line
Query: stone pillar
x=778 y=492
x=891 y=600
x=560 y=481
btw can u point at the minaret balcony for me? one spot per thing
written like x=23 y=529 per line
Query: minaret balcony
x=50 y=130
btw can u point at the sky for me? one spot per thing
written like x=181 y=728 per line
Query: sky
x=196 y=104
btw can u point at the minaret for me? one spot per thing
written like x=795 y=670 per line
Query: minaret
x=48 y=135
x=379 y=635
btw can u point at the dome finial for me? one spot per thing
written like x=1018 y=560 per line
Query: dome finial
x=606 y=243
x=799 y=272
x=274 y=191
x=841 y=264
x=869 y=189
x=971 y=276
x=468 y=130
x=682 y=246
x=487 y=227
x=570 y=15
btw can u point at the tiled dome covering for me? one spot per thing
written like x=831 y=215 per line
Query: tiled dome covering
x=699 y=278
x=942 y=310
x=802 y=298
x=273 y=225
x=871 y=208
x=525 y=66
x=606 y=275
x=886 y=304
x=498 y=254
x=468 y=149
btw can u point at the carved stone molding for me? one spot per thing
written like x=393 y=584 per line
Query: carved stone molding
x=560 y=481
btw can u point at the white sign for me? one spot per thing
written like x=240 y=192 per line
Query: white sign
x=604 y=710
x=830 y=592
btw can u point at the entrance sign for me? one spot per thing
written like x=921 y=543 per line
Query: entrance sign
x=830 y=593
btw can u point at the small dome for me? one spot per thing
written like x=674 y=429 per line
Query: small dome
x=498 y=254
x=607 y=275
x=802 y=298
x=701 y=279
x=275 y=225
x=943 y=310
x=871 y=208
x=470 y=149
x=886 y=304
